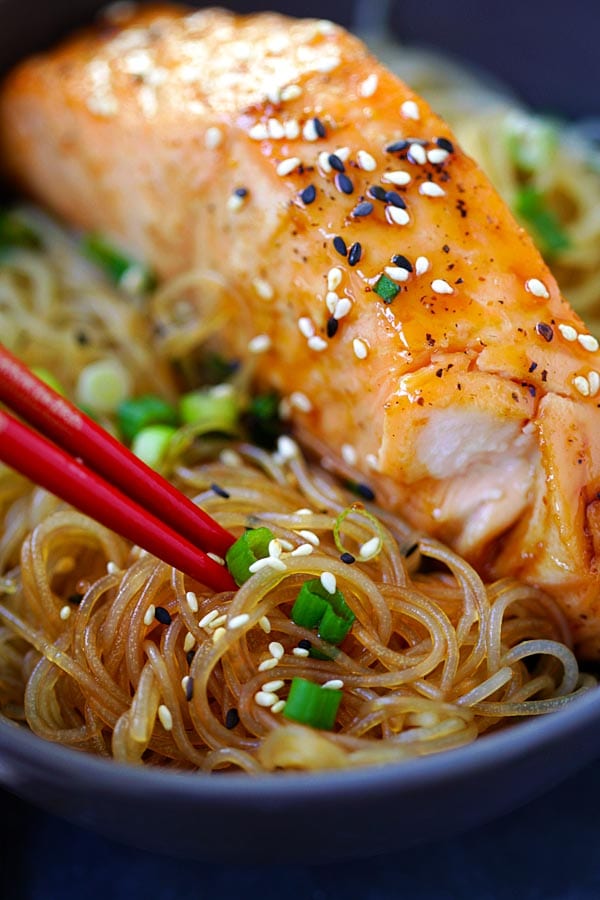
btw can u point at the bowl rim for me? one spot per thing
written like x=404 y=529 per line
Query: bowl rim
x=518 y=740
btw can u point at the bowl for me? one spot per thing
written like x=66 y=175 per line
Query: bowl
x=308 y=818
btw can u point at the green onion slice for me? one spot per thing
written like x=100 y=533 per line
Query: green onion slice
x=532 y=207
x=129 y=274
x=151 y=444
x=215 y=409
x=387 y=289
x=137 y=413
x=315 y=607
x=311 y=704
x=250 y=547
x=359 y=511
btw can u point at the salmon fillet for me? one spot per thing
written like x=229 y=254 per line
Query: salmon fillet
x=365 y=263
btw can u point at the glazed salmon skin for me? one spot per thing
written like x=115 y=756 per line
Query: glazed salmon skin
x=364 y=261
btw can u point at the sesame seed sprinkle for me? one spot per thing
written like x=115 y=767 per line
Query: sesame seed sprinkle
x=329 y=582
x=430 y=189
x=344 y=184
x=300 y=651
x=218 y=634
x=342 y=153
x=265 y=624
x=332 y=327
x=347 y=558
x=213 y=138
x=239 y=621
x=276 y=649
x=334 y=278
x=291 y=129
x=370 y=548
x=300 y=401
x=275 y=129
x=377 y=192
x=335 y=162
x=416 y=154
x=258 y=132
x=267 y=664
x=267 y=562
x=437 y=156
x=342 y=308
x=259 y=344
x=273 y=686
x=354 y=254
x=421 y=265
x=397 y=177
x=349 y=454
x=581 y=384
x=309 y=536
x=287 y=166
x=232 y=718
x=396 y=216
x=166 y=719
x=188 y=642
x=410 y=110
x=149 y=615
x=568 y=332
x=162 y=615
x=360 y=348
x=399 y=260
x=537 y=288
x=340 y=246
x=368 y=87
x=192 y=601
x=236 y=201
x=317 y=343
x=594 y=382
x=366 y=161
x=309 y=194
x=544 y=330
x=230 y=458
x=362 y=209
x=65 y=613
x=441 y=287
x=395 y=199
x=287 y=447
x=302 y=550
x=275 y=547
x=588 y=342
x=323 y=162
x=265 y=698
x=334 y=684
x=215 y=558
x=396 y=273
x=208 y=619
x=306 y=327
x=331 y=300
x=278 y=707
x=263 y=289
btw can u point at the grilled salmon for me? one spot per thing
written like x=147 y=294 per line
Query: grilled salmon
x=364 y=263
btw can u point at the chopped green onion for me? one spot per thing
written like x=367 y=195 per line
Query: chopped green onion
x=358 y=510
x=311 y=704
x=16 y=233
x=132 y=276
x=531 y=207
x=215 y=409
x=387 y=289
x=49 y=379
x=250 y=547
x=103 y=385
x=151 y=444
x=310 y=605
x=315 y=606
x=136 y=413
x=531 y=141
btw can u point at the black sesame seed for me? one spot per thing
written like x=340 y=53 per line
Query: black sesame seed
x=305 y=644
x=82 y=338
x=336 y=163
x=241 y=192
x=402 y=262
x=364 y=491
x=533 y=367
x=75 y=599
x=162 y=615
x=397 y=146
x=395 y=199
x=309 y=194
x=445 y=144
x=189 y=656
x=377 y=192
x=347 y=558
x=340 y=245
x=221 y=492
x=232 y=718
x=363 y=209
x=332 y=327
x=355 y=253
x=343 y=183
x=319 y=128
x=189 y=688
x=446 y=248
x=545 y=331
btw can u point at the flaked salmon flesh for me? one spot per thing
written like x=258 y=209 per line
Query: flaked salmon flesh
x=364 y=262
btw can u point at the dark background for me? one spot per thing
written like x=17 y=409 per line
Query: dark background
x=548 y=52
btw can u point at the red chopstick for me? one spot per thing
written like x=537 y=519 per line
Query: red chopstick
x=147 y=509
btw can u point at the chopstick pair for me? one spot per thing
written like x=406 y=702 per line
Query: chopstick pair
x=91 y=470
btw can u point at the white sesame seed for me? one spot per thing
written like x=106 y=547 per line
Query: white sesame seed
x=263 y=289
x=273 y=686
x=334 y=684
x=287 y=448
x=218 y=559
x=218 y=622
x=309 y=536
x=437 y=155
x=360 y=348
x=275 y=547
x=594 y=382
x=323 y=162
x=334 y=278
x=300 y=651
x=265 y=698
x=342 y=153
x=166 y=719
x=410 y=110
x=267 y=664
x=259 y=344
x=265 y=624
x=292 y=129
x=287 y=166
x=267 y=562
x=441 y=287
x=300 y=401
x=192 y=601
x=218 y=634
x=276 y=649
x=306 y=326
x=588 y=342
x=368 y=87
x=189 y=642
x=213 y=138
x=102 y=104
x=275 y=129
x=366 y=161
x=291 y=92
x=112 y=568
x=230 y=458
x=328 y=64
x=430 y=189
x=278 y=707
x=331 y=300
x=537 y=288
x=328 y=581
x=238 y=621
x=342 y=308
x=309 y=131
x=317 y=343
x=568 y=332
x=65 y=613
x=273 y=95
x=396 y=273
x=208 y=619
x=397 y=177
x=325 y=26
x=421 y=265
x=235 y=202
x=258 y=132
x=302 y=550
x=196 y=107
x=396 y=215
x=149 y=614
x=286 y=545
x=581 y=384
x=372 y=461
x=370 y=548
x=417 y=154
x=349 y=454
x=304 y=511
